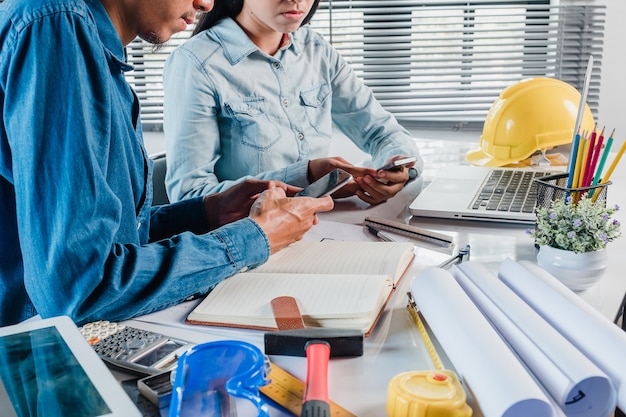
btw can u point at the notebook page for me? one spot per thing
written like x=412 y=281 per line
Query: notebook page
x=332 y=257
x=350 y=301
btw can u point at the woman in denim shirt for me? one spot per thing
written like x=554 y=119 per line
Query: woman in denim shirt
x=256 y=92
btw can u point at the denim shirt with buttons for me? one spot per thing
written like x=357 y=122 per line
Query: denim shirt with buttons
x=78 y=234
x=234 y=112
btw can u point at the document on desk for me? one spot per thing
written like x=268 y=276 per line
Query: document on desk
x=495 y=329
x=336 y=284
x=577 y=385
x=593 y=334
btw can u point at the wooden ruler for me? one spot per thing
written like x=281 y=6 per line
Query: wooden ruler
x=288 y=391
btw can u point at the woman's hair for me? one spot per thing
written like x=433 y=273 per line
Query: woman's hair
x=231 y=8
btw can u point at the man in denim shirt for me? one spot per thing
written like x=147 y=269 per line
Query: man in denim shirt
x=79 y=236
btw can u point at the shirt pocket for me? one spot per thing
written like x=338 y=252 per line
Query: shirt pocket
x=251 y=117
x=317 y=106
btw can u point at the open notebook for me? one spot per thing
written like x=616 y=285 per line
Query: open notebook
x=479 y=193
x=336 y=284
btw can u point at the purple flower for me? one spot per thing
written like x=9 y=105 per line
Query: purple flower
x=577 y=222
x=616 y=222
x=552 y=215
x=571 y=234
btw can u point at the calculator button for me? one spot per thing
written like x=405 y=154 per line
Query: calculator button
x=136 y=344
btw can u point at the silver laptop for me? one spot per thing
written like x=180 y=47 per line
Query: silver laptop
x=479 y=193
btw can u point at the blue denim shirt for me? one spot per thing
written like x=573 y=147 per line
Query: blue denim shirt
x=232 y=111
x=78 y=234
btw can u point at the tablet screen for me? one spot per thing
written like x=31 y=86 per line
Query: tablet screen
x=41 y=376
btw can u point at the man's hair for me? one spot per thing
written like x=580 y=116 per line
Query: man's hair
x=231 y=8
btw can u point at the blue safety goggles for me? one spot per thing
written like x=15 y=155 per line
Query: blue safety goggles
x=220 y=379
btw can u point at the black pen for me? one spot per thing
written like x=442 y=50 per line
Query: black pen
x=381 y=235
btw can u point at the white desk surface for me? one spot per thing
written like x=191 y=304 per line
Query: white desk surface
x=360 y=384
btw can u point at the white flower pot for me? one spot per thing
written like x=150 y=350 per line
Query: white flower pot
x=578 y=271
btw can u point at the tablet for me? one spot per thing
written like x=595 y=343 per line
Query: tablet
x=47 y=368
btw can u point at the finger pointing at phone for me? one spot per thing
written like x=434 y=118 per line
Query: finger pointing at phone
x=286 y=219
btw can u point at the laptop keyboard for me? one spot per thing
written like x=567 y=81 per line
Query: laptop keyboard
x=509 y=190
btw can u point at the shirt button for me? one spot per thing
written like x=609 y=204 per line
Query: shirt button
x=276 y=65
x=300 y=136
x=286 y=103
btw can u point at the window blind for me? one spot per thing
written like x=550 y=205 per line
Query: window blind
x=434 y=63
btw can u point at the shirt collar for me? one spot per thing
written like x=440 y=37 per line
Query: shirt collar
x=108 y=34
x=237 y=45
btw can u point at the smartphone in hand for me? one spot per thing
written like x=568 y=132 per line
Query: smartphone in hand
x=326 y=185
x=397 y=164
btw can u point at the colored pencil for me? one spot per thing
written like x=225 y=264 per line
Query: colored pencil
x=580 y=161
x=600 y=168
x=583 y=102
x=572 y=163
x=609 y=171
x=588 y=155
x=594 y=159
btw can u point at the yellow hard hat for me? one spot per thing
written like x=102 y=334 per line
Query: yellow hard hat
x=530 y=115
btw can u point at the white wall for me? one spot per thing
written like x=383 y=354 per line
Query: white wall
x=612 y=105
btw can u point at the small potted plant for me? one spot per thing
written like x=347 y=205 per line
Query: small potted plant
x=572 y=236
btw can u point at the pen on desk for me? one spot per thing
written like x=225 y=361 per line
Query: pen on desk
x=381 y=235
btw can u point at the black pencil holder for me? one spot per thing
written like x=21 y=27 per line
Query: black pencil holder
x=554 y=187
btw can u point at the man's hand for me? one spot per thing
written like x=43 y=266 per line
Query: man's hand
x=285 y=220
x=321 y=166
x=235 y=203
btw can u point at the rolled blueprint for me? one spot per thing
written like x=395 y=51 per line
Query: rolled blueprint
x=592 y=333
x=497 y=379
x=576 y=384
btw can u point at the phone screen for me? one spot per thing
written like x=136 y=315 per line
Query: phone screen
x=328 y=184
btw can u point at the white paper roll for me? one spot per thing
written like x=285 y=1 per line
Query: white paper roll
x=592 y=333
x=576 y=384
x=497 y=379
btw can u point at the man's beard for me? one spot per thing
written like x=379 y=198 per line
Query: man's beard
x=154 y=39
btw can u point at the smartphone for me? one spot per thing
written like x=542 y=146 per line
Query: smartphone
x=326 y=185
x=397 y=164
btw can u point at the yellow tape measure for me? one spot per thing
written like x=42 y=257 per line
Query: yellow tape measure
x=288 y=391
x=424 y=334
x=433 y=393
